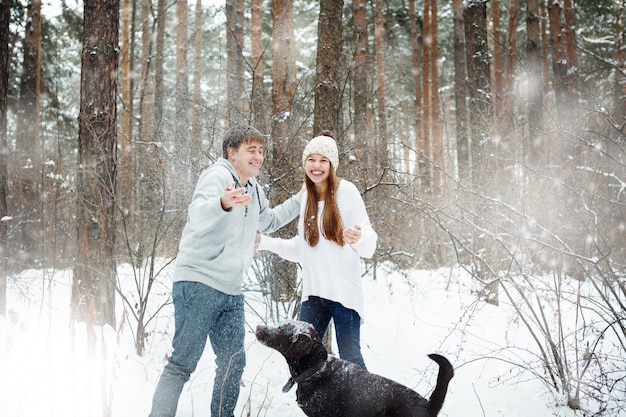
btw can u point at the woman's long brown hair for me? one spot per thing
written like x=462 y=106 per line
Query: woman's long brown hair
x=332 y=227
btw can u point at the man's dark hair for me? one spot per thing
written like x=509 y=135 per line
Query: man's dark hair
x=239 y=134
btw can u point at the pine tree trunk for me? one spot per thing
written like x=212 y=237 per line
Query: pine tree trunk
x=559 y=61
x=439 y=160
x=197 y=121
x=27 y=167
x=425 y=141
x=327 y=83
x=417 y=80
x=283 y=277
x=498 y=53
x=259 y=100
x=379 y=43
x=361 y=69
x=533 y=143
x=478 y=83
x=507 y=121
x=460 y=93
x=620 y=70
x=234 y=63
x=161 y=19
x=5 y=13
x=125 y=182
x=93 y=289
x=570 y=46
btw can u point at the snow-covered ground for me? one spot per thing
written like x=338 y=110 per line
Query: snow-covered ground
x=45 y=370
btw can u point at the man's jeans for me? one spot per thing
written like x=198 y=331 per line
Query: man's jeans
x=201 y=311
x=318 y=311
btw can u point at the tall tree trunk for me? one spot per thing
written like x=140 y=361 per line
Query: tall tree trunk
x=481 y=116
x=425 y=142
x=161 y=19
x=328 y=94
x=417 y=80
x=93 y=288
x=478 y=81
x=258 y=98
x=125 y=134
x=533 y=143
x=460 y=93
x=359 y=77
x=435 y=104
x=27 y=167
x=179 y=143
x=559 y=62
x=234 y=62
x=620 y=69
x=146 y=89
x=570 y=47
x=379 y=47
x=283 y=157
x=5 y=14
x=498 y=53
x=507 y=122
x=196 y=122
x=182 y=43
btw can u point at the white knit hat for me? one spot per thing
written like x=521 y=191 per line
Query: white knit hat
x=323 y=145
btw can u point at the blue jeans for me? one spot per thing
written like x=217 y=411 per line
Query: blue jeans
x=318 y=311
x=200 y=312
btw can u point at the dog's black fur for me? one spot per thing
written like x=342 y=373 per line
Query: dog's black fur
x=331 y=387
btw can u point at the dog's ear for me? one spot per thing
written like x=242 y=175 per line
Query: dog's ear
x=300 y=347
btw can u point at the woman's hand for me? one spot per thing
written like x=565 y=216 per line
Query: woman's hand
x=351 y=235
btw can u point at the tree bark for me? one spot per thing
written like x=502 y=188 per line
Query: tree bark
x=125 y=134
x=93 y=288
x=533 y=143
x=620 y=69
x=283 y=277
x=5 y=14
x=425 y=141
x=196 y=122
x=460 y=93
x=570 y=47
x=435 y=104
x=417 y=80
x=234 y=63
x=379 y=47
x=328 y=95
x=27 y=168
x=359 y=76
x=161 y=18
x=507 y=121
x=478 y=85
x=498 y=57
x=258 y=98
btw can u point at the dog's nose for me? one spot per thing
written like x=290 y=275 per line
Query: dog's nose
x=260 y=331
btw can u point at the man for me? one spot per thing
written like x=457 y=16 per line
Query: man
x=216 y=249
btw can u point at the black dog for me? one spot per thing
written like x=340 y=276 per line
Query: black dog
x=331 y=387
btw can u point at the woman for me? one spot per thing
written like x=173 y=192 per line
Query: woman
x=334 y=232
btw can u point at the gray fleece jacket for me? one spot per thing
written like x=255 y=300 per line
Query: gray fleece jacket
x=217 y=246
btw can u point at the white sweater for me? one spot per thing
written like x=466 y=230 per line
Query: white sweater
x=329 y=270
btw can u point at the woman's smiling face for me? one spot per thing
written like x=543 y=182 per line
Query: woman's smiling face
x=317 y=168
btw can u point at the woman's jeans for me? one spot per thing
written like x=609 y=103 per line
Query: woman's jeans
x=318 y=311
x=200 y=312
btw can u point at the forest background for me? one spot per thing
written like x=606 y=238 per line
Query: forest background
x=488 y=135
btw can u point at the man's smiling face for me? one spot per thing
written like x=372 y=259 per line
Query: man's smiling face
x=247 y=160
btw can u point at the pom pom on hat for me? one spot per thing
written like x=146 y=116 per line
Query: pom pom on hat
x=323 y=145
